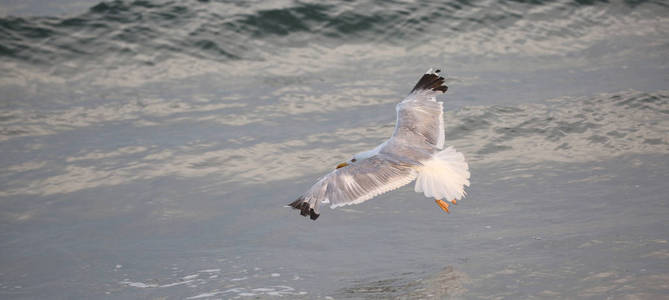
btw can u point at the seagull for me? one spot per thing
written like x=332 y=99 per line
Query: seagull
x=414 y=152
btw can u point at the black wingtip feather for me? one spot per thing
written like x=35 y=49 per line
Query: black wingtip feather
x=304 y=208
x=296 y=204
x=431 y=81
x=313 y=215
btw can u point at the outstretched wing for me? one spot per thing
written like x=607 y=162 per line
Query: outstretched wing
x=420 y=118
x=356 y=183
x=371 y=177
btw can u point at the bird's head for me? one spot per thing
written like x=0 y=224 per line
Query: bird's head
x=358 y=158
x=347 y=163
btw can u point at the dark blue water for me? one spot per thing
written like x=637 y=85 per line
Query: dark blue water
x=148 y=147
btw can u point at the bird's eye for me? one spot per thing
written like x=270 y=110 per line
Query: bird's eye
x=353 y=160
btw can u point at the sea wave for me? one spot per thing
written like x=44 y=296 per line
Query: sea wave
x=564 y=129
x=149 y=32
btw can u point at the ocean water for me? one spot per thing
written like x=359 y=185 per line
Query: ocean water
x=148 y=148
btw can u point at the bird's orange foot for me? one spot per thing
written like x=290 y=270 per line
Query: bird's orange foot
x=442 y=204
x=454 y=202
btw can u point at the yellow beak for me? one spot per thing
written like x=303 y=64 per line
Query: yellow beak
x=341 y=165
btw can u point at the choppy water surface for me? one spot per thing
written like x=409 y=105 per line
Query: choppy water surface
x=148 y=148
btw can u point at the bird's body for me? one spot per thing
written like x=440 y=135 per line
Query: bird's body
x=414 y=152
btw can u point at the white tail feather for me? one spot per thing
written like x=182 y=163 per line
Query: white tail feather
x=444 y=176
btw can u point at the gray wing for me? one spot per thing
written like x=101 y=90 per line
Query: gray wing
x=420 y=118
x=371 y=177
x=356 y=183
